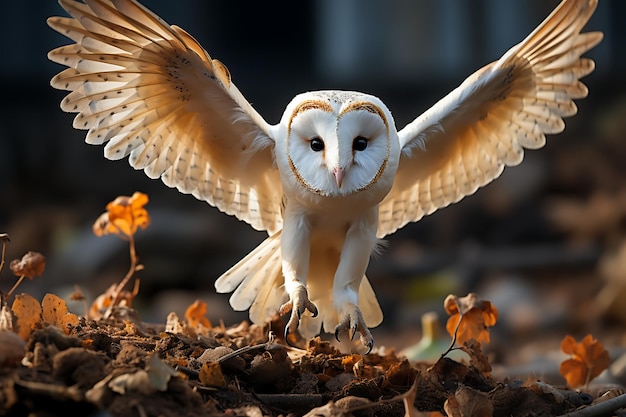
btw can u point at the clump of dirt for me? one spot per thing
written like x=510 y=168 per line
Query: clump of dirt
x=129 y=368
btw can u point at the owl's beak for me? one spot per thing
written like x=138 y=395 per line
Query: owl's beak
x=338 y=173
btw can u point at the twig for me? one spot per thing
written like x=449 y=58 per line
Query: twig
x=246 y=349
x=404 y=396
x=52 y=390
x=134 y=267
x=5 y=238
x=19 y=281
x=456 y=330
x=605 y=408
x=129 y=274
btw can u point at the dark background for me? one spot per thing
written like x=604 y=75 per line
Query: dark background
x=408 y=53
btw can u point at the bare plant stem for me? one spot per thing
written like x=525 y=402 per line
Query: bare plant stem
x=456 y=330
x=245 y=349
x=4 y=247
x=606 y=408
x=12 y=290
x=117 y=295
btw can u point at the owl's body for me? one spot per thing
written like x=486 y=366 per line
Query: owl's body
x=329 y=225
x=335 y=175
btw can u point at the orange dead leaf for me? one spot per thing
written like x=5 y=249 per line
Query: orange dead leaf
x=195 y=315
x=470 y=318
x=123 y=216
x=54 y=312
x=211 y=375
x=31 y=265
x=104 y=301
x=349 y=362
x=28 y=313
x=588 y=360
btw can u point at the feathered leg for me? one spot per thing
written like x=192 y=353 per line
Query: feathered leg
x=296 y=253
x=359 y=244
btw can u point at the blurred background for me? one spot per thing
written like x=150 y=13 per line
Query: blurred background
x=545 y=243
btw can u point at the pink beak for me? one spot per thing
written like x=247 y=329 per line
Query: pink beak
x=338 y=173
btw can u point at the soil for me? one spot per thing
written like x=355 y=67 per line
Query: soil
x=121 y=366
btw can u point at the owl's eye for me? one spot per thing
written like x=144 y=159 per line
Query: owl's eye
x=359 y=143
x=317 y=144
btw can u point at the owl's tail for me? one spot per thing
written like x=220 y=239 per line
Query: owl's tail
x=257 y=282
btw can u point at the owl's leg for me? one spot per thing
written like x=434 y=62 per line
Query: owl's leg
x=355 y=254
x=295 y=248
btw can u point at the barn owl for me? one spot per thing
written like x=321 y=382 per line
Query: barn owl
x=334 y=175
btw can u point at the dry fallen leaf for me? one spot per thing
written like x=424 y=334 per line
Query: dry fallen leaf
x=408 y=400
x=588 y=360
x=468 y=402
x=124 y=216
x=6 y=318
x=104 y=301
x=470 y=318
x=211 y=375
x=31 y=265
x=154 y=378
x=330 y=409
x=54 y=312
x=477 y=358
x=159 y=373
x=173 y=325
x=195 y=315
x=28 y=314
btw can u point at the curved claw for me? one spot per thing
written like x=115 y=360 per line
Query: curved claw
x=286 y=335
x=353 y=323
x=370 y=346
x=297 y=305
x=353 y=330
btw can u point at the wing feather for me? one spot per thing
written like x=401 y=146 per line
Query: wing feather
x=465 y=140
x=150 y=92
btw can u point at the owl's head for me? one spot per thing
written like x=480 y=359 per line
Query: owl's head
x=338 y=142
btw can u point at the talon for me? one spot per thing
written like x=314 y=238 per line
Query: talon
x=353 y=331
x=296 y=306
x=287 y=334
x=353 y=323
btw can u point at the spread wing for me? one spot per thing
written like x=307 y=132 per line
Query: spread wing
x=464 y=141
x=151 y=92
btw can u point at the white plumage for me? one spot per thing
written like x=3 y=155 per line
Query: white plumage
x=334 y=175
